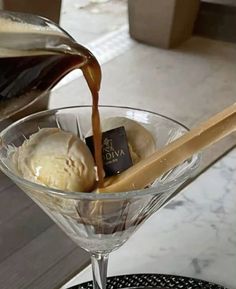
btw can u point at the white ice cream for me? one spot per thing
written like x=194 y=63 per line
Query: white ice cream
x=140 y=141
x=56 y=159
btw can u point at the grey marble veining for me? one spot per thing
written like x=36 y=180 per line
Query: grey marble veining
x=194 y=235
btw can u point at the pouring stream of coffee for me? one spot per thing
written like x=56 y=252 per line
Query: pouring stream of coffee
x=148 y=170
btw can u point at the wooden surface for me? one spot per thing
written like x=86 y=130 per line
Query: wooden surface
x=34 y=253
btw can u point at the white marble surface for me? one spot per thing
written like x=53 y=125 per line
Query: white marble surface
x=194 y=235
x=87 y=21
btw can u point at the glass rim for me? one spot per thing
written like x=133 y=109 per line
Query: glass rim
x=195 y=159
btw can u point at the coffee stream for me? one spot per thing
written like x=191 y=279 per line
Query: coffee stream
x=25 y=76
x=92 y=74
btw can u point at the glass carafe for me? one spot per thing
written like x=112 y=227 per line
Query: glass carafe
x=35 y=54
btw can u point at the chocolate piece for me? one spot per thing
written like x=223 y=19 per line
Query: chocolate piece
x=115 y=151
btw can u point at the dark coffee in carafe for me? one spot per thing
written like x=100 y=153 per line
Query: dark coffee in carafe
x=34 y=55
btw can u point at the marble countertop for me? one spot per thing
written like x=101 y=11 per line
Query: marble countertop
x=194 y=235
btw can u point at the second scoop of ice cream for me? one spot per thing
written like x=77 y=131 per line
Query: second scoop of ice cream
x=56 y=159
x=140 y=140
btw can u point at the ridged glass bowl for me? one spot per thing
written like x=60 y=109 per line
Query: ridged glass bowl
x=98 y=222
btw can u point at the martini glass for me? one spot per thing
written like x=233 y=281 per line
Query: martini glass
x=99 y=223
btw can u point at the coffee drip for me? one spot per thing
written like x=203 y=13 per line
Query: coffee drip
x=35 y=54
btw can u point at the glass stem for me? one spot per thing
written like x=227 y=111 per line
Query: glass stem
x=99 y=268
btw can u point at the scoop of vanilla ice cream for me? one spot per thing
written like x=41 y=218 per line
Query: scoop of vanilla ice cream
x=140 y=141
x=56 y=159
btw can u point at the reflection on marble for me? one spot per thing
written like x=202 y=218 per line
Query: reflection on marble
x=194 y=235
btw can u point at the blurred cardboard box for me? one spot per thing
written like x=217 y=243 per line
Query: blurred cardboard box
x=162 y=23
x=48 y=9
